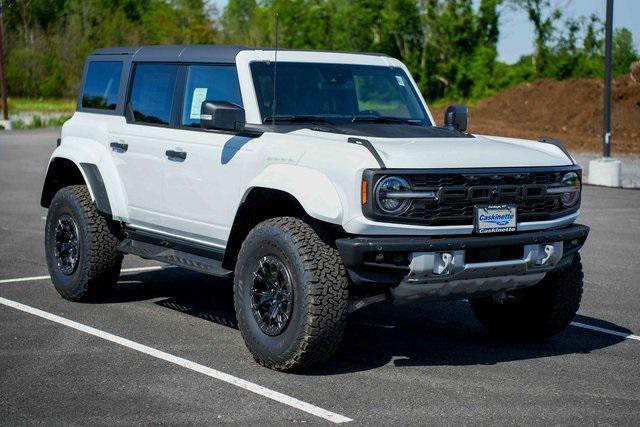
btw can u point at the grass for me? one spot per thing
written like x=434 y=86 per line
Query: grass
x=442 y=102
x=40 y=108
x=39 y=122
x=41 y=105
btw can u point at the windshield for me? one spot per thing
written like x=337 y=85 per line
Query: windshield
x=337 y=93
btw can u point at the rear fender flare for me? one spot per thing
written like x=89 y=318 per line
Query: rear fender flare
x=98 y=171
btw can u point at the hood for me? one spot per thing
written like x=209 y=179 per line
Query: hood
x=479 y=151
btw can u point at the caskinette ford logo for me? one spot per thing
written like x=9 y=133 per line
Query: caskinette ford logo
x=497 y=219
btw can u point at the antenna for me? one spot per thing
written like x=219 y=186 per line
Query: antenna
x=275 y=78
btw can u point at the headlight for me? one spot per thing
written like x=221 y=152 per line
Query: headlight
x=569 y=189
x=389 y=197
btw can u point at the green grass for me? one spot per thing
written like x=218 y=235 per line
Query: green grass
x=39 y=122
x=441 y=103
x=41 y=105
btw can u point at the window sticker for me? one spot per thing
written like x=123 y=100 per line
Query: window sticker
x=400 y=80
x=199 y=96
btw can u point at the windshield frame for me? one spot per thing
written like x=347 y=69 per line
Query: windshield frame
x=250 y=96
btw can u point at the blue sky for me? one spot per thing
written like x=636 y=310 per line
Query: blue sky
x=516 y=34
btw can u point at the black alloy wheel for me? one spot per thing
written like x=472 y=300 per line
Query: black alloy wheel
x=272 y=295
x=67 y=247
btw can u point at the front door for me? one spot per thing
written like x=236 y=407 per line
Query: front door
x=202 y=178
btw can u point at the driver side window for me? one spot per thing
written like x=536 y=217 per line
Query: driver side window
x=208 y=83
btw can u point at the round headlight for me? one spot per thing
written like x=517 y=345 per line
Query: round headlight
x=571 y=181
x=387 y=194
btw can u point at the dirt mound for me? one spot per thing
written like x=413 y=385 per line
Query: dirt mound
x=570 y=110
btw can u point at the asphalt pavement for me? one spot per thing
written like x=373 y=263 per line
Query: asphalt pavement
x=165 y=348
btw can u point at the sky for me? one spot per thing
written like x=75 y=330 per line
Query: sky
x=516 y=33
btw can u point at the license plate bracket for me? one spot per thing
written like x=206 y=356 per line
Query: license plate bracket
x=495 y=218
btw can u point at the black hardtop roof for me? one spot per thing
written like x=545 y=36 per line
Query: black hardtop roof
x=189 y=53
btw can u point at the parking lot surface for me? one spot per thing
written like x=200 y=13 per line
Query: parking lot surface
x=164 y=347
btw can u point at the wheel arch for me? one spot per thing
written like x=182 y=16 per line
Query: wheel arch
x=312 y=188
x=260 y=204
x=63 y=172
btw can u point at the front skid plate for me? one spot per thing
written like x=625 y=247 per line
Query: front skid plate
x=459 y=289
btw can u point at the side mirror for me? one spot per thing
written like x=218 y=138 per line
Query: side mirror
x=455 y=117
x=221 y=115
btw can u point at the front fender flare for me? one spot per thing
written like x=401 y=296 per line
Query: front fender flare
x=312 y=189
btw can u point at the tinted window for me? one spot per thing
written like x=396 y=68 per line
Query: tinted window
x=210 y=83
x=152 y=93
x=101 y=85
x=340 y=92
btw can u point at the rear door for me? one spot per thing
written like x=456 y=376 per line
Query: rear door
x=138 y=146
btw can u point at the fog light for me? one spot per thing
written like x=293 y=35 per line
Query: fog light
x=443 y=263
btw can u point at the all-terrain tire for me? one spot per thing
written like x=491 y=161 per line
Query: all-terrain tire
x=320 y=294
x=538 y=312
x=98 y=261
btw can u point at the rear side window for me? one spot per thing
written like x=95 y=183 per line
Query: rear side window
x=101 y=85
x=152 y=93
x=208 y=83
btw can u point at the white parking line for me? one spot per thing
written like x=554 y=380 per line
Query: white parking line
x=606 y=331
x=210 y=372
x=124 y=270
x=24 y=279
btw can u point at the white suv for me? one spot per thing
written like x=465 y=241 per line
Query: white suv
x=320 y=182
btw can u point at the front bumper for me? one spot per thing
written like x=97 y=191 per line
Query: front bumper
x=411 y=267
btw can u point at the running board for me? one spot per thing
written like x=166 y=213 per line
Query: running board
x=187 y=260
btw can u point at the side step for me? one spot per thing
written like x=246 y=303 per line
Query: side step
x=169 y=255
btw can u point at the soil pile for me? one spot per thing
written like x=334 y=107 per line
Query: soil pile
x=570 y=110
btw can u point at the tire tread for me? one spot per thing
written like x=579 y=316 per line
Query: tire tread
x=326 y=304
x=103 y=267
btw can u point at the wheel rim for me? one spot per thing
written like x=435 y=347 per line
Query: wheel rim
x=272 y=295
x=67 y=248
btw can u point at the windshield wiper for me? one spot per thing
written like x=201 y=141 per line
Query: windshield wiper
x=386 y=119
x=296 y=119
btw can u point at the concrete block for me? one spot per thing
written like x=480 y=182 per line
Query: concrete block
x=605 y=171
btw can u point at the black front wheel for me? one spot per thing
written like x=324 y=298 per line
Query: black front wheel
x=290 y=294
x=80 y=246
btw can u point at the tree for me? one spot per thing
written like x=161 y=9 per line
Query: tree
x=544 y=17
x=624 y=51
x=450 y=46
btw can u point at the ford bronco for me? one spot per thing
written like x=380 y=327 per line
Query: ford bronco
x=319 y=182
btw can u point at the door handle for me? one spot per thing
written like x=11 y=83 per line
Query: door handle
x=119 y=146
x=176 y=155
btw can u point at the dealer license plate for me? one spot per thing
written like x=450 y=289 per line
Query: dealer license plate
x=495 y=218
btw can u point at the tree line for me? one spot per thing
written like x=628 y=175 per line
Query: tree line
x=450 y=46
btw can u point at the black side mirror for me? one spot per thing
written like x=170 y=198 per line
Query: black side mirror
x=221 y=115
x=455 y=117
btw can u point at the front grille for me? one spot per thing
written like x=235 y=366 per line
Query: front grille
x=459 y=193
